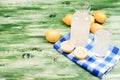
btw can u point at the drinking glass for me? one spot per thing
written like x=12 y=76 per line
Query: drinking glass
x=101 y=43
x=80 y=24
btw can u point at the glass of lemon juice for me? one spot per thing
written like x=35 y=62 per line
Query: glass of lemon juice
x=101 y=43
x=80 y=24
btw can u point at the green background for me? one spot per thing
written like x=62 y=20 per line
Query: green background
x=24 y=52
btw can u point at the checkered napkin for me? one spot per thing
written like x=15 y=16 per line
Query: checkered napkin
x=96 y=66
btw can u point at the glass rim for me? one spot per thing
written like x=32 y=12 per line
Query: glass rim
x=103 y=31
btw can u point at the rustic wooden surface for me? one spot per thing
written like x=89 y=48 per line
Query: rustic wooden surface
x=24 y=52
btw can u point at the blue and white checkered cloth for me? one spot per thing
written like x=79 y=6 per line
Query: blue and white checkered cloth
x=97 y=67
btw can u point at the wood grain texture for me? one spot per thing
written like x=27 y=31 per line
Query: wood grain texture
x=24 y=52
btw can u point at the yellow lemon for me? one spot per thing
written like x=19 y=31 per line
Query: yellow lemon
x=100 y=16
x=95 y=27
x=92 y=19
x=80 y=53
x=67 y=19
x=52 y=36
x=67 y=46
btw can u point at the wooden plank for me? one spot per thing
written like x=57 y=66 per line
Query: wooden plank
x=22 y=27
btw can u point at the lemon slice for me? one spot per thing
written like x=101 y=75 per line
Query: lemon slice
x=67 y=46
x=80 y=53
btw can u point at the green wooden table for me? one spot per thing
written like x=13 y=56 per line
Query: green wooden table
x=24 y=52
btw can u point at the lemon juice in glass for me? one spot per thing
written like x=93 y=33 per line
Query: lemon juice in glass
x=102 y=40
x=80 y=24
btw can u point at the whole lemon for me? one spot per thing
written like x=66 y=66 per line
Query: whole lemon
x=92 y=19
x=95 y=27
x=67 y=19
x=52 y=36
x=100 y=16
